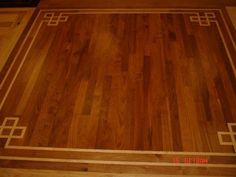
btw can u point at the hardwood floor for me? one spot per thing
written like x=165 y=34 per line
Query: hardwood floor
x=50 y=173
x=122 y=91
x=232 y=13
x=12 y=23
x=134 y=3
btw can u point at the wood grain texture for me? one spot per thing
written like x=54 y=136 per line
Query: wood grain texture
x=12 y=24
x=49 y=173
x=232 y=14
x=134 y=3
x=77 y=74
x=85 y=81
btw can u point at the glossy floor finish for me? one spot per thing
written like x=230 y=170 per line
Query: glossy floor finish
x=128 y=89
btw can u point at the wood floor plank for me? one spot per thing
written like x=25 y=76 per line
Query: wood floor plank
x=134 y=3
x=12 y=23
x=64 y=73
x=127 y=88
x=49 y=173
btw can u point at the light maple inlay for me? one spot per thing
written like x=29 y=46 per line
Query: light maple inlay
x=122 y=90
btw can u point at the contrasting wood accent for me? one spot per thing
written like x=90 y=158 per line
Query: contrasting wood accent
x=123 y=91
x=9 y=130
x=12 y=23
x=231 y=135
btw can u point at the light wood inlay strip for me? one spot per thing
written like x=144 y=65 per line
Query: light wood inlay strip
x=60 y=19
x=164 y=164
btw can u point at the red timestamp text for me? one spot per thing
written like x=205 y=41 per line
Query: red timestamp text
x=191 y=160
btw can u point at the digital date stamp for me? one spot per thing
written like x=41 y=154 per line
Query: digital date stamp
x=190 y=160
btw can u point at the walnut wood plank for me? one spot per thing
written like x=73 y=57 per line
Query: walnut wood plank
x=127 y=82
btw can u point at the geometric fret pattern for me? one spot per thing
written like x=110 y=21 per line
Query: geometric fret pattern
x=53 y=20
x=10 y=130
x=66 y=146
x=228 y=138
x=204 y=20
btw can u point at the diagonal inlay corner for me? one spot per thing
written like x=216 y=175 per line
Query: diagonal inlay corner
x=53 y=20
x=70 y=64
x=9 y=129
x=231 y=134
x=204 y=20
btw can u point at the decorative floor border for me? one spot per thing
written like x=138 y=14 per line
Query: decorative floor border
x=53 y=20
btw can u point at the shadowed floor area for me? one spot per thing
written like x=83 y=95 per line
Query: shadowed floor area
x=135 y=3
